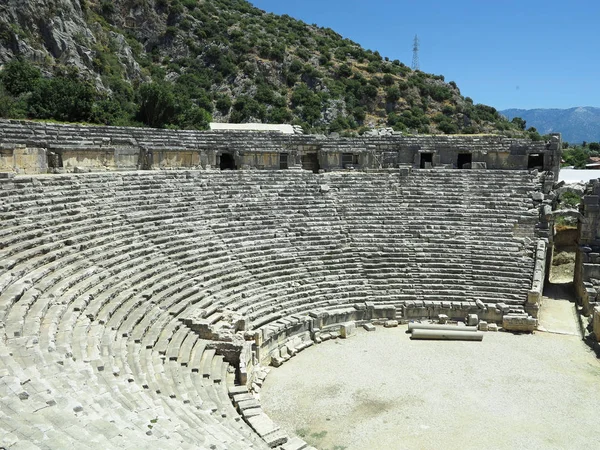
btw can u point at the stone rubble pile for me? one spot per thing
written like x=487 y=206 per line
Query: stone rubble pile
x=382 y=132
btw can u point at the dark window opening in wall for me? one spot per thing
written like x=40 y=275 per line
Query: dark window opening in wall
x=464 y=160
x=426 y=160
x=349 y=160
x=283 y=161
x=227 y=162
x=535 y=161
x=54 y=160
x=310 y=161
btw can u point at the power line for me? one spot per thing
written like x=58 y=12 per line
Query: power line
x=415 y=61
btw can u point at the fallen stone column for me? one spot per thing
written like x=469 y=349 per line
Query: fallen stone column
x=435 y=326
x=447 y=335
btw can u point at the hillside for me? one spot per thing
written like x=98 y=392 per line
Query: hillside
x=182 y=63
x=576 y=124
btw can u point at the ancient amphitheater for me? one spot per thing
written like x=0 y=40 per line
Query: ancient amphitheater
x=143 y=290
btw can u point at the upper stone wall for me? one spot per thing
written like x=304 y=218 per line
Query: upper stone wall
x=121 y=148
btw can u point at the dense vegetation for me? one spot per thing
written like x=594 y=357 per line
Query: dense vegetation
x=182 y=63
x=579 y=155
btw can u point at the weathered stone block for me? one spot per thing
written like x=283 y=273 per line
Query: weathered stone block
x=347 y=330
x=519 y=322
x=369 y=327
x=483 y=325
x=502 y=307
x=442 y=318
x=390 y=323
x=472 y=320
x=596 y=323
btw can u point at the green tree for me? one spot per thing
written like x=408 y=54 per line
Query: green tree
x=20 y=76
x=11 y=107
x=392 y=94
x=520 y=123
x=157 y=105
x=63 y=98
x=193 y=117
x=576 y=157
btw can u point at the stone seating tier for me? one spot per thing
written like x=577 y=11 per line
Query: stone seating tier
x=113 y=286
x=56 y=136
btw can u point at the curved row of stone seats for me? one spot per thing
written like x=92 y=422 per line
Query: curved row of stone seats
x=82 y=353
x=103 y=275
x=293 y=261
x=64 y=137
x=169 y=216
x=426 y=227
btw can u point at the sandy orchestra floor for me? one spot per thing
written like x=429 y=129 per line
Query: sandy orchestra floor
x=381 y=390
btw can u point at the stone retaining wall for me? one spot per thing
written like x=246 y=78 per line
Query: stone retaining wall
x=587 y=258
x=75 y=147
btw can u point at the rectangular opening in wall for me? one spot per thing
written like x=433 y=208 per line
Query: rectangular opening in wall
x=283 y=161
x=349 y=160
x=310 y=161
x=227 y=162
x=426 y=160
x=536 y=161
x=464 y=160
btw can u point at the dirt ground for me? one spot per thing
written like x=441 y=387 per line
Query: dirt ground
x=563 y=265
x=381 y=390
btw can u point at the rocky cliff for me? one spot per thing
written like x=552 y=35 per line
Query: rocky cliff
x=231 y=60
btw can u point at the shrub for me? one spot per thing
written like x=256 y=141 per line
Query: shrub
x=296 y=66
x=369 y=92
x=158 y=106
x=448 y=127
x=224 y=104
x=575 y=156
x=264 y=94
x=344 y=71
x=392 y=94
x=359 y=114
x=20 y=76
x=388 y=80
x=570 y=199
x=448 y=110
x=190 y=4
x=194 y=117
x=62 y=98
x=519 y=123
x=11 y=107
x=279 y=115
x=246 y=107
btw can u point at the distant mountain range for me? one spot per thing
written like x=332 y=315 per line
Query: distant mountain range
x=575 y=124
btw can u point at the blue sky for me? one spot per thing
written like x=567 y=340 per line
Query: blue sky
x=504 y=53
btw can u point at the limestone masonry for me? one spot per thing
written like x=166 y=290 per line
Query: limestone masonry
x=30 y=147
x=141 y=308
